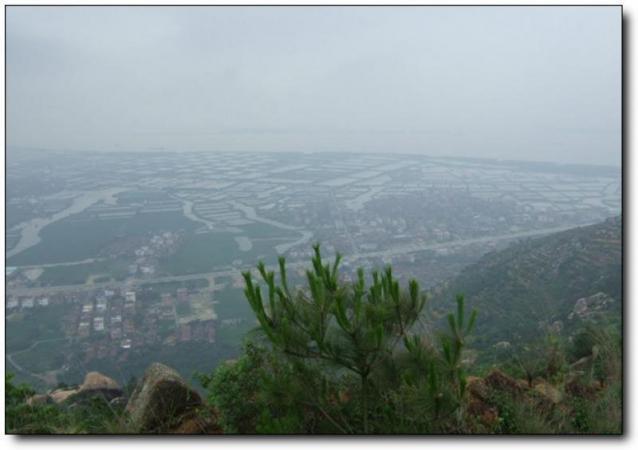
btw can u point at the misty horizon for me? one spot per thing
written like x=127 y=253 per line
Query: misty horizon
x=529 y=84
x=160 y=150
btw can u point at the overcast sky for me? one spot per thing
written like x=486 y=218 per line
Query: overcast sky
x=514 y=83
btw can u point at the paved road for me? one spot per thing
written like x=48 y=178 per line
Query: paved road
x=395 y=251
x=411 y=248
x=70 y=263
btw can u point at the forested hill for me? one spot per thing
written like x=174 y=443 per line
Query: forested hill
x=551 y=283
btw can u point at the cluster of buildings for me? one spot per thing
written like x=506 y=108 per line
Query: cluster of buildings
x=21 y=303
x=147 y=256
x=197 y=330
x=108 y=315
x=107 y=323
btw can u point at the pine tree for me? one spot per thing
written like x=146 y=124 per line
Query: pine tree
x=353 y=328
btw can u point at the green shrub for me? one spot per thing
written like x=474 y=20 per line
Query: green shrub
x=93 y=415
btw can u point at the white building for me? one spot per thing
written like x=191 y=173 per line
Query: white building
x=12 y=303
x=98 y=323
x=101 y=304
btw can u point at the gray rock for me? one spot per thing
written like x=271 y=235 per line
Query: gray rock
x=589 y=307
x=96 y=381
x=39 y=399
x=95 y=385
x=62 y=395
x=161 y=401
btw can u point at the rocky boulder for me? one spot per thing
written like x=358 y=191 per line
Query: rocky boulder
x=479 y=405
x=162 y=401
x=497 y=380
x=62 y=395
x=97 y=385
x=477 y=388
x=590 y=307
x=548 y=392
x=97 y=381
x=39 y=399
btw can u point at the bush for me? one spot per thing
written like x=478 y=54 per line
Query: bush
x=94 y=415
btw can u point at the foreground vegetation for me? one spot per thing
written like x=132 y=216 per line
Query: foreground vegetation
x=361 y=357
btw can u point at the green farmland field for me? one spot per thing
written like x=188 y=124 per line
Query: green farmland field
x=81 y=237
x=210 y=251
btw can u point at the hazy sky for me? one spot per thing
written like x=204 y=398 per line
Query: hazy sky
x=516 y=83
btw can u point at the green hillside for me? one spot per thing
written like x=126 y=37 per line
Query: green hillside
x=542 y=284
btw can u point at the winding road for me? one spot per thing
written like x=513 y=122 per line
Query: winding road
x=28 y=349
